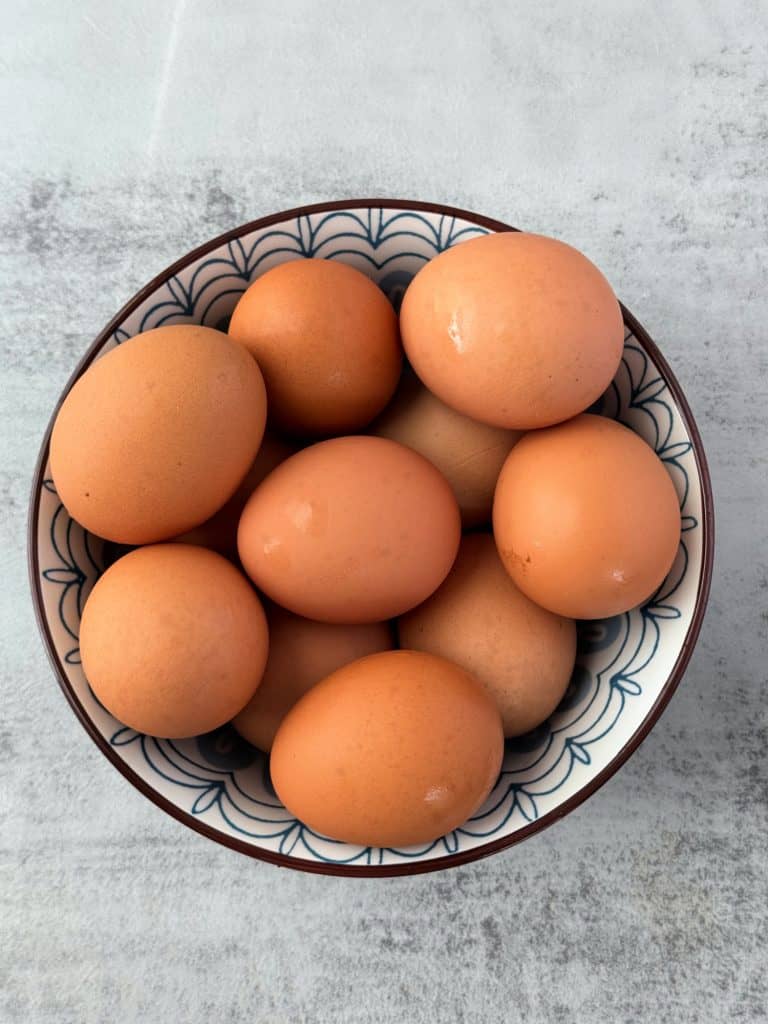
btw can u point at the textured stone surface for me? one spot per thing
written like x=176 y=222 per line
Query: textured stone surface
x=133 y=131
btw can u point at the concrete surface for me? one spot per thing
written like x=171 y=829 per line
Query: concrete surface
x=133 y=130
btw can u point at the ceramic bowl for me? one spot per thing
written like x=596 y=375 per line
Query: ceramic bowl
x=628 y=666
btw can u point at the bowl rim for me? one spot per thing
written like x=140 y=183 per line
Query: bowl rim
x=411 y=867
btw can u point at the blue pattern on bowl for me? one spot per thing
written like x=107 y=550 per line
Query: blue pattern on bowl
x=623 y=663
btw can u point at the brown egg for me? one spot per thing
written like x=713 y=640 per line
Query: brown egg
x=513 y=329
x=393 y=750
x=356 y=529
x=301 y=653
x=219 y=533
x=586 y=518
x=158 y=433
x=469 y=454
x=522 y=654
x=327 y=342
x=173 y=640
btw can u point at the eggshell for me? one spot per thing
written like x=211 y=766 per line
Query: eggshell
x=355 y=529
x=301 y=653
x=173 y=640
x=469 y=454
x=478 y=618
x=219 y=533
x=393 y=750
x=513 y=329
x=327 y=341
x=586 y=518
x=158 y=433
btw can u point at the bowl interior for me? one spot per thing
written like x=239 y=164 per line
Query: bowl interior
x=626 y=665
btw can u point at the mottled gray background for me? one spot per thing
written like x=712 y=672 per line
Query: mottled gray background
x=133 y=130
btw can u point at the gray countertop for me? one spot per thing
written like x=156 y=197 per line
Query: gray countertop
x=133 y=131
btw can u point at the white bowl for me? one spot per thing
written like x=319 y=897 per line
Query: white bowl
x=628 y=666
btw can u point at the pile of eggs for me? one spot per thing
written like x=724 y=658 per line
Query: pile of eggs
x=373 y=572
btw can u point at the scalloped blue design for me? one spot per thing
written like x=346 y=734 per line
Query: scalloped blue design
x=622 y=663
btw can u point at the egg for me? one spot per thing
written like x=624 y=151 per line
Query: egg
x=157 y=434
x=301 y=653
x=173 y=640
x=586 y=518
x=327 y=341
x=393 y=750
x=469 y=454
x=354 y=529
x=478 y=618
x=513 y=329
x=219 y=533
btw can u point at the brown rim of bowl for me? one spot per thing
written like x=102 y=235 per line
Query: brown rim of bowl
x=436 y=863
